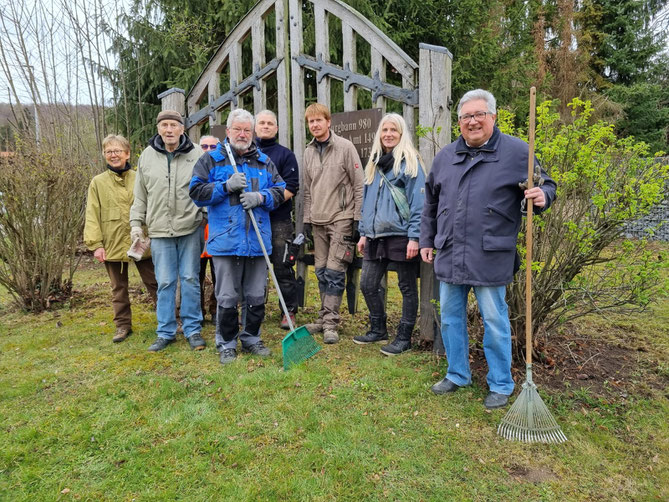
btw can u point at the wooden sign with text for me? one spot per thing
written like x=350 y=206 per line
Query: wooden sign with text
x=359 y=128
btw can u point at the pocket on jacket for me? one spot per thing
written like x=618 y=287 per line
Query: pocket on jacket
x=498 y=222
x=494 y=209
x=444 y=235
x=342 y=197
x=499 y=242
x=111 y=214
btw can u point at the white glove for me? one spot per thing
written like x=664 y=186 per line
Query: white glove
x=136 y=233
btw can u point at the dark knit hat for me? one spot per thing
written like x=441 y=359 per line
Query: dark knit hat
x=169 y=115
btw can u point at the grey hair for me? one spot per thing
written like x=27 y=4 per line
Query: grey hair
x=240 y=115
x=270 y=113
x=209 y=136
x=479 y=94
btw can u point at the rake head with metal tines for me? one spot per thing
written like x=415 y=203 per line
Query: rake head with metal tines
x=529 y=420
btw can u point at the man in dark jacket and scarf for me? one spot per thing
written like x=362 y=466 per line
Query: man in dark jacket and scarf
x=472 y=215
x=281 y=218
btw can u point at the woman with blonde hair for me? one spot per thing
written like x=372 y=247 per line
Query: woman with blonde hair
x=107 y=230
x=389 y=229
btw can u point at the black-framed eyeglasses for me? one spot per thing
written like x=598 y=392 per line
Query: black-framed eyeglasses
x=479 y=116
x=208 y=147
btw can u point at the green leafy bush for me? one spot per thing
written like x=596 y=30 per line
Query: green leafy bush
x=581 y=262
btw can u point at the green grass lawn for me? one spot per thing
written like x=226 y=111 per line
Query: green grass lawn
x=85 y=419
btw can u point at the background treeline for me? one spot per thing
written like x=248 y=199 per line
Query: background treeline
x=612 y=52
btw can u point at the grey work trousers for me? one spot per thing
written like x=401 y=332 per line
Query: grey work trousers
x=239 y=278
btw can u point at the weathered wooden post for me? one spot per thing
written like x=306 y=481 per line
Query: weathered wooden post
x=173 y=99
x=433 y=113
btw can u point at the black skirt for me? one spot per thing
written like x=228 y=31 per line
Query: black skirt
x=393 y=248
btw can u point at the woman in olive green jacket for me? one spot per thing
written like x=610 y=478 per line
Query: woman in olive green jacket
x=107 y=229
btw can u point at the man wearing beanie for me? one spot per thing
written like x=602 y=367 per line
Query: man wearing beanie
x=162 y=204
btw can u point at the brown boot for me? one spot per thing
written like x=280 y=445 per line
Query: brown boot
x=331 y=304
x=121 y=334
x=315 y=327
x=330 y=336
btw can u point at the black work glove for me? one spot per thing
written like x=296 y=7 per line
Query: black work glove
x=308 y=232
x=355 y=236
x=250 y=200
x=236 y=183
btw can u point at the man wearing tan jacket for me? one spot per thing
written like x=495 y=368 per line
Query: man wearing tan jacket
x=333 y=186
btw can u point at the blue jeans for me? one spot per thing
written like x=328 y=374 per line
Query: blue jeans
x=496 y=337
x=177 y=258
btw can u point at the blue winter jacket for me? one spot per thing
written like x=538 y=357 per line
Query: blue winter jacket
x=231 y=232
x=380 y=217
x=472 y=211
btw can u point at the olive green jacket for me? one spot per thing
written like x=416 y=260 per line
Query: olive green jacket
x=108 y=214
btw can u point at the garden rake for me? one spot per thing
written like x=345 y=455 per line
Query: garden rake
x=529 y=420
x=298 y=345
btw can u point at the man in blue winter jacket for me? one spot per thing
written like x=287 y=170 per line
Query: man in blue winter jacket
x=241 y=271
x=472 y=216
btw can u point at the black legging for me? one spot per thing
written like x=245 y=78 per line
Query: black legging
x=370 y=285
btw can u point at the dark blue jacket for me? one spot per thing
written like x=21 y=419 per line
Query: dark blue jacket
x=472 y=211
x=230 y=230
x=286 y=165
x=380 y=217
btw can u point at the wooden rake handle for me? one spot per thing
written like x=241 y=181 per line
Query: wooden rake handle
x=528 y=229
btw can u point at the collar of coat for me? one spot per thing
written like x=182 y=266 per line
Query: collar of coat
x=265 y=143
x=220 y=154
x=119 y=172
x=490 y=146
x=185 y=144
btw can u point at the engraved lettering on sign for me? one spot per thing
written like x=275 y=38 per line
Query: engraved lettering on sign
x=359 y=128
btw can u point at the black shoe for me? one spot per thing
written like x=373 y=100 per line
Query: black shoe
x=160 y=344
x=228 y=356
x=397 y=346
x=377 y=331
x=445 y=386
x=495 y=400
x=257 y=349
x=402 y=341
x=196 y=342
x=370 y=337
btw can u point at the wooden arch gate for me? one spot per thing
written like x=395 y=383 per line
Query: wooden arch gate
x=424 y=93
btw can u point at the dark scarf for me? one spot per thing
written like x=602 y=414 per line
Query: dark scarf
x=386 y=162
x=119 y=172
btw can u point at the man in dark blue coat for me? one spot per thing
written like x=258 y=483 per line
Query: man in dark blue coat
x=231 y=191
x=472 y=216
x=281 y=219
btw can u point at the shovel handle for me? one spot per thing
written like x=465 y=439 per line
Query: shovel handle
x=528 y=230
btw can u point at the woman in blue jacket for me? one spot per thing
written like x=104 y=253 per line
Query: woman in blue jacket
x=390 y=228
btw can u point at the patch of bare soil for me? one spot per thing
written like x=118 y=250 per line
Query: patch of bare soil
x=524 y=474
x=608 y=367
